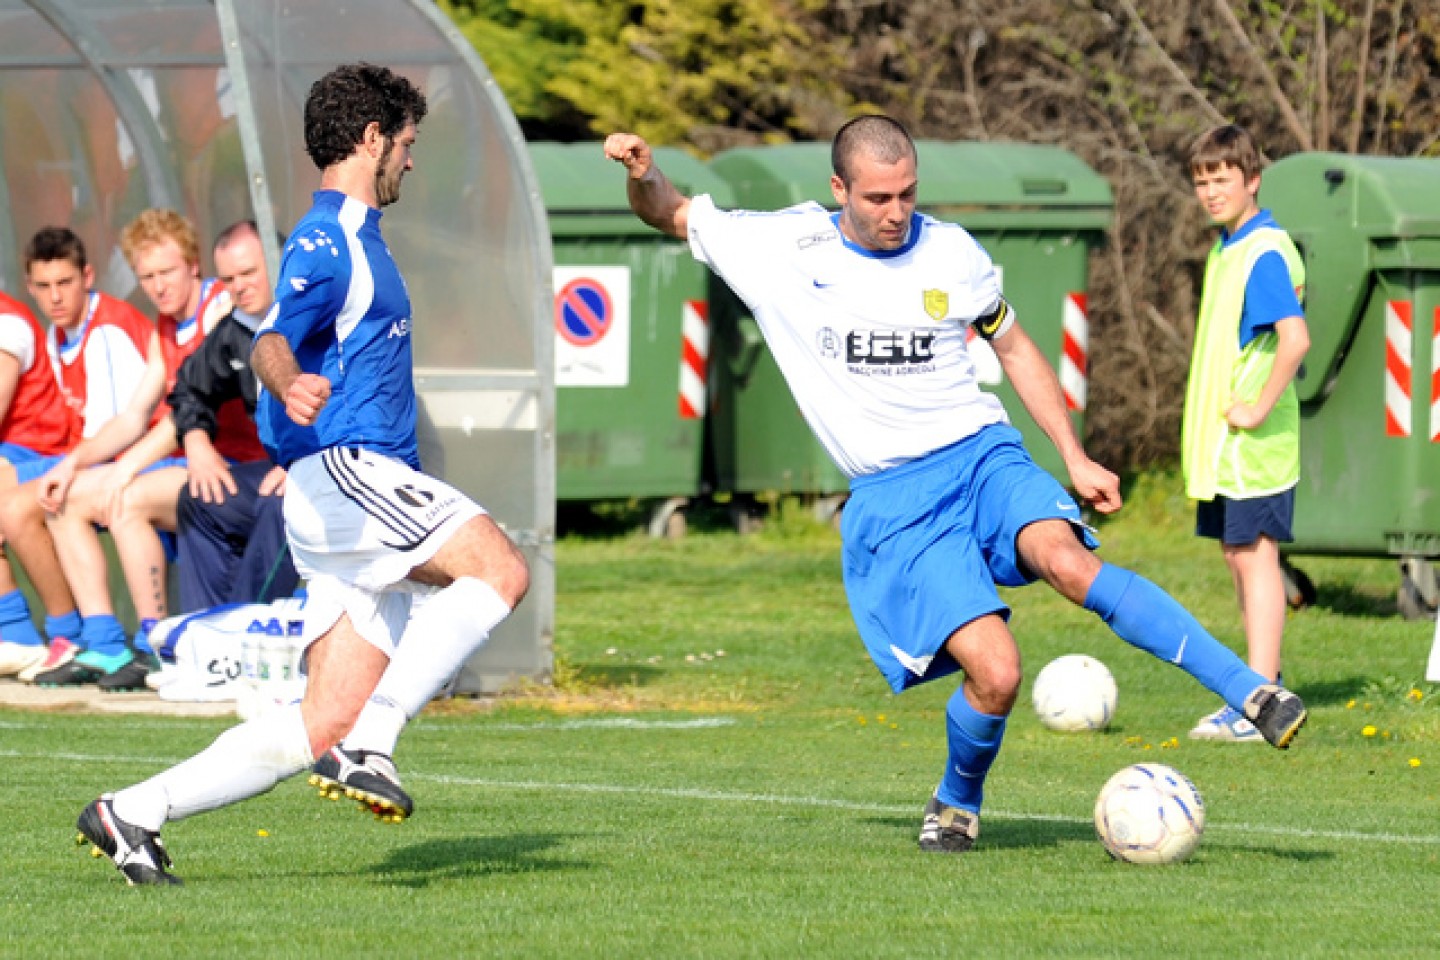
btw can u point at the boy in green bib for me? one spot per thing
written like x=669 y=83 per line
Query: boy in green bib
x=1240 y=441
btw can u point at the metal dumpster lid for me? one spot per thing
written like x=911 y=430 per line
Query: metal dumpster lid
x=992 y=177
x=577 y=181
x=1380 y=197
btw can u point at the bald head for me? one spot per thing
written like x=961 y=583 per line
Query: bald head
x=878 y=137
x=240 y=265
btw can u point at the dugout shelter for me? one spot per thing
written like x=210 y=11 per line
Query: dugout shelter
x=111 y=106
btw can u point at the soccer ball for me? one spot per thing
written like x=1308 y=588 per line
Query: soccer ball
x=1074 y=692
x=1149 y=813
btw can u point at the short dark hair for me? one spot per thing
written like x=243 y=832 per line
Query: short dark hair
x=55 y=243
x=239 y=230
x=348 y=99
x=883 y=138
x=1226 y=146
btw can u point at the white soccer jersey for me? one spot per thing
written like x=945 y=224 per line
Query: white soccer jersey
x=871 y=343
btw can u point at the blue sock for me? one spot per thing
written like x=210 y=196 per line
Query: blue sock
x=15 y=623
x=66 y=625
x=103 y=635
x=142 y=636
x=974 y=739
x=1147 y=617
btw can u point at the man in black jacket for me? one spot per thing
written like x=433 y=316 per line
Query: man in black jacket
x=231 y=532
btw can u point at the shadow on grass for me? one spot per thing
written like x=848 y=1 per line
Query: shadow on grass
x=457 y=858
x=1279 y=853
x=1345 y=601
x=1005 y=833
x=1330 y=692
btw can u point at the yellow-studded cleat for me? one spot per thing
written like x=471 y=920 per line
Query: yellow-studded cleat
x=367 y=778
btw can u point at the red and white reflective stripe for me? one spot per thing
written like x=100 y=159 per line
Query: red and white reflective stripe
x=1435 y=381
x=1074 y=351
x=1399 y=359
x=694 y=351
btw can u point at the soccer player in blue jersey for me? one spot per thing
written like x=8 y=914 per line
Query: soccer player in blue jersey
x=367 y=529
x=866 y=312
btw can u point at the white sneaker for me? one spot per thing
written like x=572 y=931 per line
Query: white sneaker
x=166 y=675
x=60 y=652
x=15 y=657
x=1227 y=723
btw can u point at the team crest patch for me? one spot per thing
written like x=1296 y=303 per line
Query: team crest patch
x=937 y=304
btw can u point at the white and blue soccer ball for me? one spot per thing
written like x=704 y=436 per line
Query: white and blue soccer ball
x=1074 y=692
x=1149 y=813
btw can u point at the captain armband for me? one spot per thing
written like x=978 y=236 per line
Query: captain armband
x=989 y=324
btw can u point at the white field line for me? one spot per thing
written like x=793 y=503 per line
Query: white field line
x=721 y=796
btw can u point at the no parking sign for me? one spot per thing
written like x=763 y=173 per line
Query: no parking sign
x=592 y=326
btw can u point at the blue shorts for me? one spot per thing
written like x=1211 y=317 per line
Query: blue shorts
x=927 y=542
x=1239 y=523
x=28 y=464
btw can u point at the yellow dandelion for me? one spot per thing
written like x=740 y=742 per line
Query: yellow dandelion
x=1414 y=761
x=1415 y=695
x=879 y=718
x=1368 y=730
x=894 y=726
x=860 y=720
x=1350 y=705
x=265 y=833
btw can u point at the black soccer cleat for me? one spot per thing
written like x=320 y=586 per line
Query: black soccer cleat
x=1277 y=713
x=368 y=778
x=136 y=852
x=948 y=829
x=131 y=676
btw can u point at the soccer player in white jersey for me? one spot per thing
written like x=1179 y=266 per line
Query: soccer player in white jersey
x=366 y=528
x=866 y=312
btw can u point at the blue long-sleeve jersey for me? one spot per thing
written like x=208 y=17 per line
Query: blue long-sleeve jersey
x=342 y=306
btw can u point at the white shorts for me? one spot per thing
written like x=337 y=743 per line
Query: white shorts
x=358 y=522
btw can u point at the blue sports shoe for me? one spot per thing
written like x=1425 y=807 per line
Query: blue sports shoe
x=1227 y=723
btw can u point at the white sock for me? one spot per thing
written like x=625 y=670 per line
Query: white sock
x=446 y=631
x=243 y=762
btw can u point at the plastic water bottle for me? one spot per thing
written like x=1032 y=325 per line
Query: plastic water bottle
x=250 y=652
x=274 y=653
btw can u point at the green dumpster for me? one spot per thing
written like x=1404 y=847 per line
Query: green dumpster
x=1369 y=230
x=1038 y=211
x=631 y=331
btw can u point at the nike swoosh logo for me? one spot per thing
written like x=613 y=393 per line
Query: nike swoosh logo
x=916 y=665
x=1064 y=506
x=1181 y=652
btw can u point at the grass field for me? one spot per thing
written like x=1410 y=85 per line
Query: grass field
x=720 y=772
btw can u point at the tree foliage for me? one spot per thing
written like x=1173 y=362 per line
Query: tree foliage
x=1126 y=84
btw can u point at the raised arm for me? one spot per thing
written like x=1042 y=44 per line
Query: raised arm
x=652 y=196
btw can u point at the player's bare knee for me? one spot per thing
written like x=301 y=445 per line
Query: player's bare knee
x=1070 y=569
x=995 y=688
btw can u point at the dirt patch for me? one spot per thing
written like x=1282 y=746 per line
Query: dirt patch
x=27 y=696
